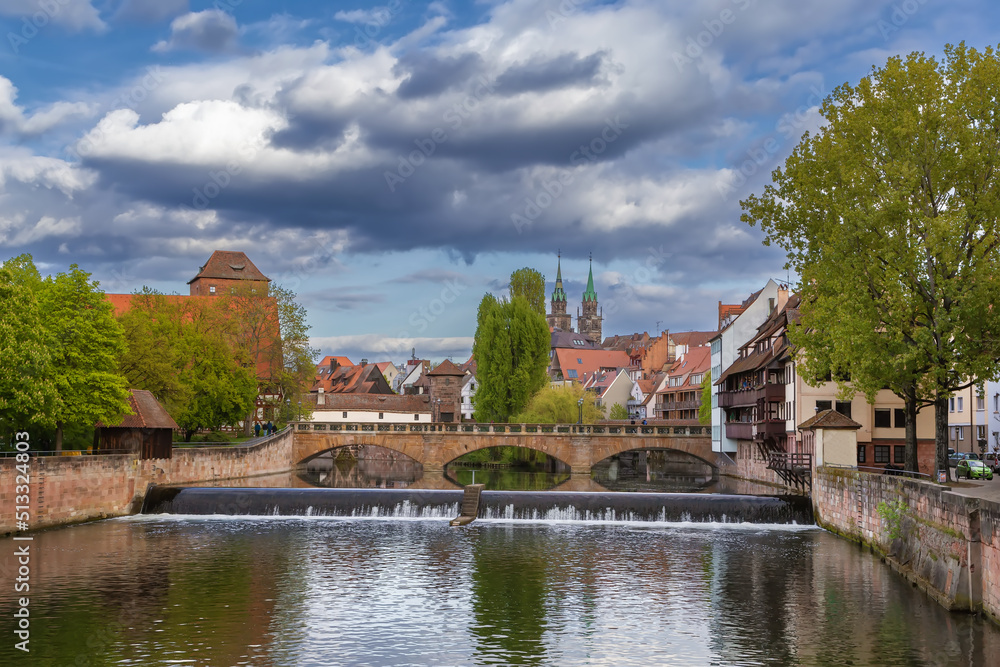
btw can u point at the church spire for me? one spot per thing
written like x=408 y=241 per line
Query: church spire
x=559 y=294
x=590 y=294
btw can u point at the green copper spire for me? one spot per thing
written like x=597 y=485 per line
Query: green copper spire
x=559 y=294
x=590 y=294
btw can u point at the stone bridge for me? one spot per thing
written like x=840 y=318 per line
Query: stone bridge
x=435 y=445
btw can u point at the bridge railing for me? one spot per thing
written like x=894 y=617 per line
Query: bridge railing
x=473 y=428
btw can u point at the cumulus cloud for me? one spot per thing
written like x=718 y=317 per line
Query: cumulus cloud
x=14 y=120
x=211 y=31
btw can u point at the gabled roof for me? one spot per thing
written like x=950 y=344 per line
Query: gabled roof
x=830 y=419
x=146 y=413
x=569 y=339
x=692 y=338
x=230 y=265
x=367 y=379
x=698 y=360
x=446 y=367
x=588 y=362
x=341 y=361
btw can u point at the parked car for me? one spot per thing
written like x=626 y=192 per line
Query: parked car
x=973 y=469
x=992 y=459
x=958 y=457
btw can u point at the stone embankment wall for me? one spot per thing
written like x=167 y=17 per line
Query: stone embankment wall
x=69 y=489
x=947 y=544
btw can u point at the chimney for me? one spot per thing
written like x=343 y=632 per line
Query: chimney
x=782 y=296
x=364 y=362
x=333 y=364
x=320 y=397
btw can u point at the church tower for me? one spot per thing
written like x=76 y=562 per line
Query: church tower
x=589 y=321
x=558 y=318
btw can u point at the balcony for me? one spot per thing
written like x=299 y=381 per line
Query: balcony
x=769 y=429
x=739 y=430
x=683 y=405
x=771 y=393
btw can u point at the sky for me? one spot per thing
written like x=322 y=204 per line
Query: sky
x=391 y=164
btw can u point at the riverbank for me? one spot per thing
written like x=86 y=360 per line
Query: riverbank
x=73 y=489
x=944 y=541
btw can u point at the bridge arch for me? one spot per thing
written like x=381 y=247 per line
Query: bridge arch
x=434 y=445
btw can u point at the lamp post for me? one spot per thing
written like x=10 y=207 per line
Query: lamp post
x=579 y=404
x=300 y=411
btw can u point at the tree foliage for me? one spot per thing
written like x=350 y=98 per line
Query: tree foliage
x=85 y=342
x=511 y=349
x=27 y=388
x=530 y=284
x=889 y=215
x=559 y=405
x=705 y=409
x=618 y=411
x=182 y=350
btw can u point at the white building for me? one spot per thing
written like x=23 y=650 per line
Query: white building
x=736 y=328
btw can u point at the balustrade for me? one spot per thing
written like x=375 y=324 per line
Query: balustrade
x=625 y=430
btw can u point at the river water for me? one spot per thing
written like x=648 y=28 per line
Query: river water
x=235 y=589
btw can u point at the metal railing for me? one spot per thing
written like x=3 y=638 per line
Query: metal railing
x=871 y=470
x=465 y=428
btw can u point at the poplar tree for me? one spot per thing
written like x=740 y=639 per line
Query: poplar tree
x=511 y=349
x=530 y=284
x=889 y=215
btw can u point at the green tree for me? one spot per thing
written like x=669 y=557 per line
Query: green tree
x=889 y=216
x=618 y=411
x=27 y=388
x=511 y=349
x=705 y=409
x=85 y=342
x=529 y=284
x=560 y=405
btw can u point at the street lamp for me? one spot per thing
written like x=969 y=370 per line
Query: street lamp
x=579 y=404
x=300 y=411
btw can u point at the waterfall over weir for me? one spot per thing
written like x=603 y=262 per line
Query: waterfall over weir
x=501 y=505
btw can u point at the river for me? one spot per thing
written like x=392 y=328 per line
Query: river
x=296 y=591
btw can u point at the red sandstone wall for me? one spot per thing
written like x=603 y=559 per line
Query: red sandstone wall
x=67 y=489
x=941 y=533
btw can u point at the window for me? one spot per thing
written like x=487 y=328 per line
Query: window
x=960 y=409
x=981 y=432
x=961 y=433
x=211 y=289
x=823 y=405
x=716 y=346
x=579 y=361
x=844 y=408
x=416 y=417
x=696 y=379
x=571 y=373
x=951 y=404
x=899 y=415
x=861 y=453
x=883 y=418
x=381 y=415
x=881 y=453
x=345 y=415
x=980 y=402
x=899 y=453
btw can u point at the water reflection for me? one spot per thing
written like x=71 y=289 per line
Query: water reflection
x=279 y=591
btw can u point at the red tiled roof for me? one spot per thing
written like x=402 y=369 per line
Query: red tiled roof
x=692 y=338
x=342 y=361
x=146 y=412
x=365 y=379
x=697 y=360
x=229 y=265
x=446 y=367
x=590 y=361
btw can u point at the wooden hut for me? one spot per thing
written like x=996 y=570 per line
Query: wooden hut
x=148 y=430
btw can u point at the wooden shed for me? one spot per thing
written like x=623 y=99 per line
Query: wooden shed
x=148 y=430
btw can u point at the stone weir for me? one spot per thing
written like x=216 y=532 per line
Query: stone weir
x=497 y=505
